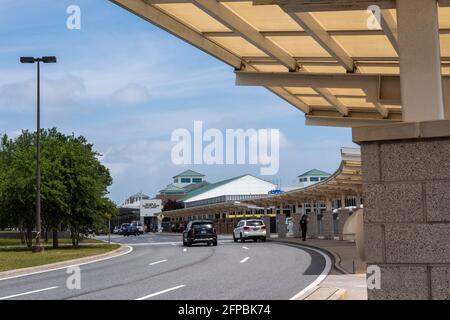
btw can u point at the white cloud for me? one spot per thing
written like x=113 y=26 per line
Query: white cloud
x=131 y=94
x=58 y=93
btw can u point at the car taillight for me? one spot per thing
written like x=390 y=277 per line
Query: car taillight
x=263 y=227
x=246 y=228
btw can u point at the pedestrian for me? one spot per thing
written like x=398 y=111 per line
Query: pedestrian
x=304 y=226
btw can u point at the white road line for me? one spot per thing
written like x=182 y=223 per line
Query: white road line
x=160 y=292
x=157 y=262
x=245 y=248
x=130 y=249
x=244 y=260
x=320 y=278
x=184 y=250
x=25 y=293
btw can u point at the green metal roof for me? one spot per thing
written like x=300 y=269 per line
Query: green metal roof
x=315 y=172
x=139 y=195
x=189 y=173
x=171 y=188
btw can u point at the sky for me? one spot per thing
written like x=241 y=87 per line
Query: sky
x=126 y=85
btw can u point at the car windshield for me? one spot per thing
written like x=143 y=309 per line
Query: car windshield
x=254 y=223
x=202 y=225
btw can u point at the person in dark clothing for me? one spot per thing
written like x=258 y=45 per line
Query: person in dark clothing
x=304 y=226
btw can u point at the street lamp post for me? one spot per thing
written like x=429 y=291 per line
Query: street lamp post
x=38 y=247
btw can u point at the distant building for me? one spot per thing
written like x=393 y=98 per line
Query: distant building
x=182 y=184
x=234 y=189
x=311 y=177
x=138 y=207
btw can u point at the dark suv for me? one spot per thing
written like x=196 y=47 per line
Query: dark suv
x=200 y=231
x=131 y=229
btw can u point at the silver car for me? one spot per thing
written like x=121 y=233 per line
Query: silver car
x=250 y=229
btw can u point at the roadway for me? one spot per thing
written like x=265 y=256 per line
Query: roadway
x=159 y=267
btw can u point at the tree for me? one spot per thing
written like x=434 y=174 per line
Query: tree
x=74 y=183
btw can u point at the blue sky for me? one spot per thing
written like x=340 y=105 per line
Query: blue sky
x=126 y=85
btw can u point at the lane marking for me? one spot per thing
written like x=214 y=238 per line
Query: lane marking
x=25 y=293
x=160 y=292
x=245 y=248
x=323 y=275
x=244 y=260
x=130 y=249
x=184 y=250
x=157 y=262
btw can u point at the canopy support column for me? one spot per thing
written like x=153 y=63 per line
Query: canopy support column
x=420 y=60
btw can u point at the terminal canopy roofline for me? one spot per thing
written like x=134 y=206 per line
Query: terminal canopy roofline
x=269 y=42
x=347 y=180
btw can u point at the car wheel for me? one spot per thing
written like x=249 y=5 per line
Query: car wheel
x=209 y=244
x=255 y=240
x=234 y=238
x=189 y=244
x=263 y=239
x=215 y=243
x=242 y=239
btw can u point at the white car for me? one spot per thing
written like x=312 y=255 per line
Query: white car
x=250 y=229
x=116 y=230
x=139 y=226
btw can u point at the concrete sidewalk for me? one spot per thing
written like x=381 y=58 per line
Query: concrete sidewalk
x=348 y=275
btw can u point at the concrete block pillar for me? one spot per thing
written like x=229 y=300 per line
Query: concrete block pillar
x=312 y=232
x=296 y=226
x=406 y=175
x=328 y=226
x=343 y=215
x=281 y=225
x=266 y=220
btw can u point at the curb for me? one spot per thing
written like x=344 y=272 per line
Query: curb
x=336 y=258
x=16 y=273
x=324 y=293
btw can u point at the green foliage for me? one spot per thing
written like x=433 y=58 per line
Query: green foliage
x=74 y=182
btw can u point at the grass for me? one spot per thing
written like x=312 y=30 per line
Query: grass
x=18 y=243
x=16 y=258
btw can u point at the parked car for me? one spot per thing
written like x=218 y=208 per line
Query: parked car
x=116 y=230
x=123 y=227
x=139 y=226
x=250 y=229
x=200 y=231
x=132 y=229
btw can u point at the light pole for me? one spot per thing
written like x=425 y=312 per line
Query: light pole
x=38 y=247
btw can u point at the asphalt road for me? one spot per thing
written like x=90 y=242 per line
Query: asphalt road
x=159 y=267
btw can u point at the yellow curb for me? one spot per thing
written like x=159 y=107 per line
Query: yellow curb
x=324 y=293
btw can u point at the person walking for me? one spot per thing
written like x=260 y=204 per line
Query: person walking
x=304 y=226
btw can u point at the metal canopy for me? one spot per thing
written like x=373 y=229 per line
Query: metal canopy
x=347 y=180
x=321 y=56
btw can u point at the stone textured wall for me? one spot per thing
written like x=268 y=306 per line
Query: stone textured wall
x=328 y=227
x=343 y=215
x=281 y=225
x=312 y=225
x=407 y=216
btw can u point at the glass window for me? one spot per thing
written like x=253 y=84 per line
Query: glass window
x=254 y=223
x=314 y=179
x=196 y=180
x=323 y=178
x=185 y=180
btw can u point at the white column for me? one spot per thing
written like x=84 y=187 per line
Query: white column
x=420 y=60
